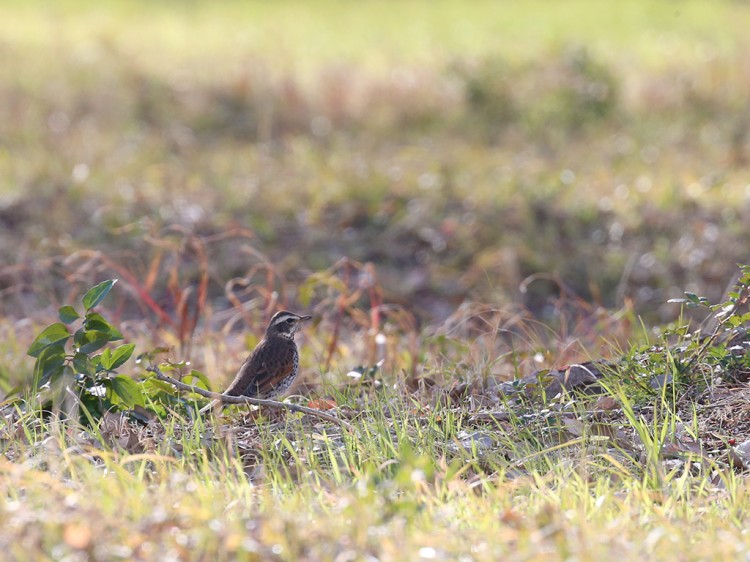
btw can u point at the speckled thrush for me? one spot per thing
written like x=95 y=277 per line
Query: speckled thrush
x=274 y=363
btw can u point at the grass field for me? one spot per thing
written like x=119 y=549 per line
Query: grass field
x=464 y=194
x=376 y=32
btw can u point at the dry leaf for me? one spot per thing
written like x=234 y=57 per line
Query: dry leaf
x=606 y=403
x=77 y=535
x=322 y=404
x=573 y=426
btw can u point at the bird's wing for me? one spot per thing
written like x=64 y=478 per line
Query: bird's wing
x=268 y=377
x=263 y=369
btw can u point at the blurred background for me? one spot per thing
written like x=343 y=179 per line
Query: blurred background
x=566 y=158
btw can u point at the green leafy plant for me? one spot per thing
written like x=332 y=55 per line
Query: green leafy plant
x=74 y=360
x=687 y=359
x=730 y=320
x=161 y=397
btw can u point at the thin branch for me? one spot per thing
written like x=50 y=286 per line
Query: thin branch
x=226 y=399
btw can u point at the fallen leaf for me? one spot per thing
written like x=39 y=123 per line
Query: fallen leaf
x=477 y=439
x=573 y=426
x=322 y=404
x=606 y=403
x=77 y=536
x=739 y=456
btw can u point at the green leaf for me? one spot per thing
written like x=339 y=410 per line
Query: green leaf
x=148 y=355
x=61 y=386
x=105 y=359
x=110 y=360
x=82 y=364
x=49 y=364
x=93 y=407
x=127 y=390
x=172 y=366
x=734 y=321
x=153 y=385
x=95 y=295
x=68 y=314
x=90 y=340
x=51 y=335
x=201 y=380
x=121 y=354
x=97 y=322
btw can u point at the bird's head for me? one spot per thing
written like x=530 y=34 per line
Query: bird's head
x=285 y=323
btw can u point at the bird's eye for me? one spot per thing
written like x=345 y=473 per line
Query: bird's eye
x=290 y=320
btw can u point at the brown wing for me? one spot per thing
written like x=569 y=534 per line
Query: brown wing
x=268 y=364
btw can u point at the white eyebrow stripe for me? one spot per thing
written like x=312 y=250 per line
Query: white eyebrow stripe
x=282 y=318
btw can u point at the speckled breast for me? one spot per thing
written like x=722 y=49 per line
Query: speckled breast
x=286 y=382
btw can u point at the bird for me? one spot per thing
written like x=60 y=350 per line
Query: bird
x=272 y=366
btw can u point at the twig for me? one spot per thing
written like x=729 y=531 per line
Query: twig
x=226 y=399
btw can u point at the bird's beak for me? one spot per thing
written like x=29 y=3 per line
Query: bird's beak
x=304 y=318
